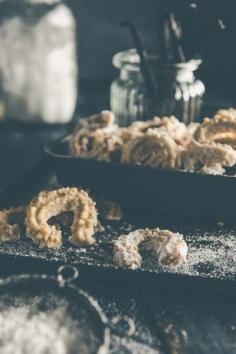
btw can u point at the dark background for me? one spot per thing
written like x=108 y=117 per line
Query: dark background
x=161 y=318
x=99 y=37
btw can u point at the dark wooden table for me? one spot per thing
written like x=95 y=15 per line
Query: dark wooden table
x=166 y=321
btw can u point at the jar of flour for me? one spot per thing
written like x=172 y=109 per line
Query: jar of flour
x=38 y=66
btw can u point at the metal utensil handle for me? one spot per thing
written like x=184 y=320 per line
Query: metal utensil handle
x=66 y=274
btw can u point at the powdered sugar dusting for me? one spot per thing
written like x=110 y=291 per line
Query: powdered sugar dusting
x=41 y=333
x=209 y=255
x=45 y=322
x=211 y=251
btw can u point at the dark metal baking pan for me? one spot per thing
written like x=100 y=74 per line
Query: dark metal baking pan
x=154 y=190
x=210 y=265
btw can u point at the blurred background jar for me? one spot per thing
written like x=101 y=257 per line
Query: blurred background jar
x=38 y=65
x=178 y=92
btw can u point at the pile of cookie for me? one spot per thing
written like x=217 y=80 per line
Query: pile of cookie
x=209 y=147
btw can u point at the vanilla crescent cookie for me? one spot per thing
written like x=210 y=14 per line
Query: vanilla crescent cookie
x=219 y=129
x=51 y=203
x=96 y=137
x=156 y=149
x=213 y=144
x=226 y=113
x=170 y=125
x=167 y=247
x=211 y=157
x=103 y=120
x=143 y=126
x=10 y=230
x=176 y=129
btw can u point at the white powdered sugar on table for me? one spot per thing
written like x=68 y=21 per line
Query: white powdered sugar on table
x=41 y=333
x=45 y=323
x=214 y=255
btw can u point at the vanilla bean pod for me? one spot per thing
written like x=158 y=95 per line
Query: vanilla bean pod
x=177 y=35
x=145 y=69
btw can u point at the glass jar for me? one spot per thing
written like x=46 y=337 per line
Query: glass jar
x=38 y=64
x=178 y=92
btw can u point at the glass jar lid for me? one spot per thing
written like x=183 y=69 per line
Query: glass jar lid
x=130 y=60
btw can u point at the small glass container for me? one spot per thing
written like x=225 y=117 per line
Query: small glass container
x=178 y=92
x=38 y=61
